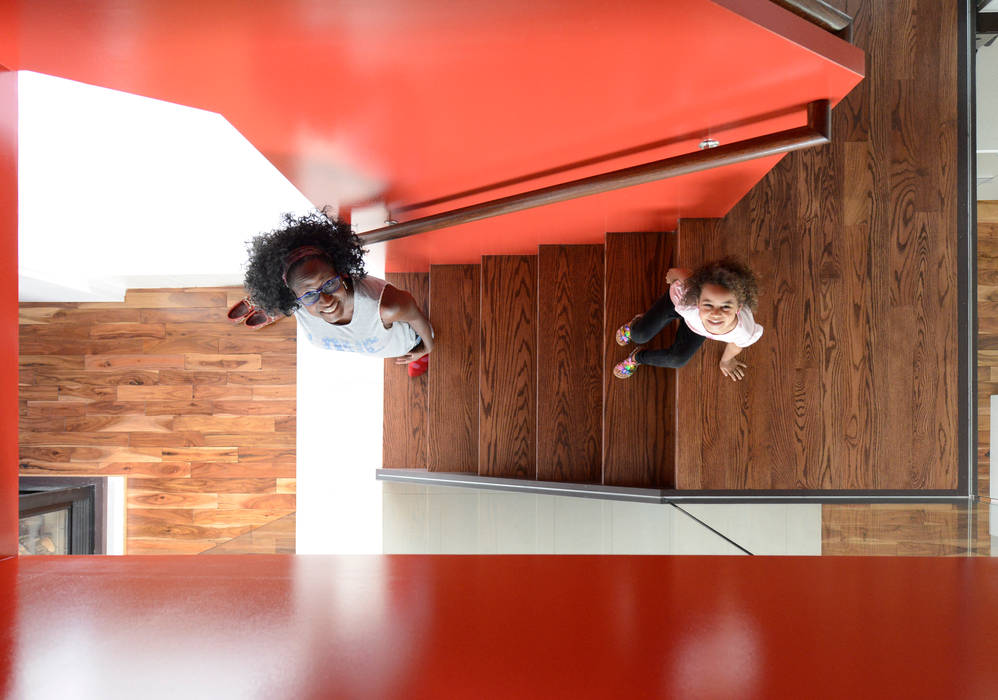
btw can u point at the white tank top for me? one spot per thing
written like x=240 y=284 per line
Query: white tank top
x=365 y=333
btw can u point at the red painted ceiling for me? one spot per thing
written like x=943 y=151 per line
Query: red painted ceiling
x=415 y=100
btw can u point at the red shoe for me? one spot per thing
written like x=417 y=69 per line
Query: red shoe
x=418 y=367
x=240 y=310
x=258 y=318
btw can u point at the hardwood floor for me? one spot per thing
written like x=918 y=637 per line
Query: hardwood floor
x=854 y=385
x=197 y=412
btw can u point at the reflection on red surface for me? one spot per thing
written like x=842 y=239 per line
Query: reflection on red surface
x=503 y=626
x=8 y=312
x=416 y=100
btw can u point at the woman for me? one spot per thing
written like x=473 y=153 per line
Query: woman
x=313 y=268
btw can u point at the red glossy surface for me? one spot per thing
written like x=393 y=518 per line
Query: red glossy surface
x=416 y=100
x=515 y=626
x=8 y=312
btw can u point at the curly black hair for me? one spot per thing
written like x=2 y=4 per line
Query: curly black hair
x=730 y=273
x=267 y=254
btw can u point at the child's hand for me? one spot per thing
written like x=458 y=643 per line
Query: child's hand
x=733 y=368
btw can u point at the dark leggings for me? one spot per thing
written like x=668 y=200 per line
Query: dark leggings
x=651 y=323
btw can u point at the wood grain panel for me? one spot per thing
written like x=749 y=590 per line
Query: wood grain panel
x=198 y=379
x=170 y=352
x=255 y=408
x=226 y=391
x=225 y=424
x=638 y=412
x=159 y=499
x=137 y=361
x=507 y=443
x=405 y=397
x=129 y=392
x=108 y=331
x=280 y=501
x=281 y=377
x=570 y=363
x=175 y=408
x=123 y=423
x=196 y=361
x=242 y=470
x=203 y=485
x=452 y=386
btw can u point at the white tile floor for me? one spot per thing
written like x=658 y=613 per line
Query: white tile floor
x=423 y=519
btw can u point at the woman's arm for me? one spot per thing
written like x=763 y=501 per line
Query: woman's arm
x=398 y=305
x=731 y=367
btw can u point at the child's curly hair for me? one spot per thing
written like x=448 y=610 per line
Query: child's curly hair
x=267 y=254
x=730 y=273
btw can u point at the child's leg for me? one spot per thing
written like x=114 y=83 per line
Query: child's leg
x=686 y=344
x=654 y=320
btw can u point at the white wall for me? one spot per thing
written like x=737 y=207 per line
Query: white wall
x=340 y=414
x=118 y=191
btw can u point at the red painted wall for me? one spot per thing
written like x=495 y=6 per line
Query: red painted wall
x=8 y=312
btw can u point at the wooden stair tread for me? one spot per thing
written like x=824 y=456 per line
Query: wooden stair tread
x=452 y=399
x=570 y=363
x=508 y=389
x=405 y=400
x=639 y=412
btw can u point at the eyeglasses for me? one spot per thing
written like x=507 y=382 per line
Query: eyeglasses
x=330 y=287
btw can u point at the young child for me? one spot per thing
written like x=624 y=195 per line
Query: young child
x=715 y=301
x=313 y=268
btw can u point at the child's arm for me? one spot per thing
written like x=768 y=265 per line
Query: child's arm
x=731 y=367
x=676 y=273
x=398 y=305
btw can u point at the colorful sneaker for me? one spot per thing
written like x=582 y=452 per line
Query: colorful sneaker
x=623 y=335
x=627 y=367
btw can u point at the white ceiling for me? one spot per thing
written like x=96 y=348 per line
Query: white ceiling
x=119 y=191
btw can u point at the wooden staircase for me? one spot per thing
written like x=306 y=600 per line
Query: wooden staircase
x=520 y=383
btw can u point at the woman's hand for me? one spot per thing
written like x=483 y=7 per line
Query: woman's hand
x=413 y=355
x=733 y=368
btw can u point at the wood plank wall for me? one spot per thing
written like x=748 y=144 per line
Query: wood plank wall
x=896 y=530
x=987 y=335
x=856 y=246
x=197 y=412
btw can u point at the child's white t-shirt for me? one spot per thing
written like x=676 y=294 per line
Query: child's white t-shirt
x=745 y=332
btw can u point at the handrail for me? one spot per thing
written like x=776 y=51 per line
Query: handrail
x=822 y=14
x=815 y=133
